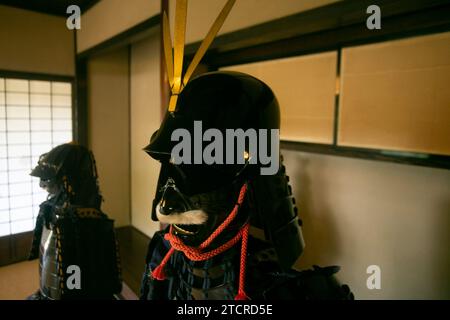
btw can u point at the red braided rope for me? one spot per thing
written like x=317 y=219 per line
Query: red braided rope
x=241 y=293
x=197 y=254
x=228 y=220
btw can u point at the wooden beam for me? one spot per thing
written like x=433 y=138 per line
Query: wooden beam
x=80 y=107
x=15 y=247
x=164 y=81
x=133 y=246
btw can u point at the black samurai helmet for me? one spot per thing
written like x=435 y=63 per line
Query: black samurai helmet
x=72 y=230
x=222 y=101
x=69 y=172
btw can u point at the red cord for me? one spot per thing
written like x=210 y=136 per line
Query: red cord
x=241 y=293
x=197 y=254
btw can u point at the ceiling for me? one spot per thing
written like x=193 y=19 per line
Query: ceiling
x=53 y=7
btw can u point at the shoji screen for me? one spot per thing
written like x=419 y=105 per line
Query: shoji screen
x=305 y=87
x=395 y=95
x=35 y=116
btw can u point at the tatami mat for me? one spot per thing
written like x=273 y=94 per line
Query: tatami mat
x=19 y=280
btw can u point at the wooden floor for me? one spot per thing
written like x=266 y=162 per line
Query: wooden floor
x=133 y=249
x=19 y=280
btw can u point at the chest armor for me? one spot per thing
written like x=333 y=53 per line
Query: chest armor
x=50 y=281
x=80 y=237
x=212 y=279
x=218 y=278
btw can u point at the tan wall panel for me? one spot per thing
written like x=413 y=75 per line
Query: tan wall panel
x=245 y=13
x=305 y=89
x=108 y=131
x=111 y=17
x=395 y=96
x=35 y=42
x=145 y=119
x=358 y=213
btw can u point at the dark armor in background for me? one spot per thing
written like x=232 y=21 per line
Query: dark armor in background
x=203 y=260
x=71 y=229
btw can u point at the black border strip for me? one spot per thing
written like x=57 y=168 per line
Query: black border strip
x=337 y=98
x=35 y=76
x=419 y=159
x=80 y=113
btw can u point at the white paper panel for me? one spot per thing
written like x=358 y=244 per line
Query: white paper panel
x=35 y=213
x=21 y=226
x=39 y=86
x=39 y=149
x=62 y=137
x=4 y=203
x=34 y=161
x=4 y=190
x=4 y=216
x=61 y=101
x=21 y=214
x=17 y=112
x=61 y=88
x=29 y=110
x=41 y=112
x=40 y=99
x=62 y=125
x=3 y=180
x=41 y=137
x=20 y=201
x=19 y=151
x=19 y=189
x=62 y=113
x=3 y=165
x=4 y=229
x=18 y=99
x=16 y=85
x=41 y=125
x=19 y=163
x=35 y=185
x=19 y=176
x=18 y=125
x=19 y=137
x=40 y=197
